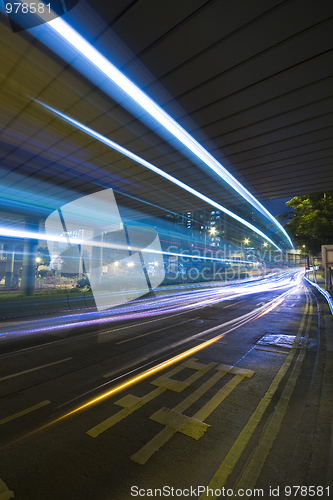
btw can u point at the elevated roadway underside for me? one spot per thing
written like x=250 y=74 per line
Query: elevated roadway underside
x=251 y=82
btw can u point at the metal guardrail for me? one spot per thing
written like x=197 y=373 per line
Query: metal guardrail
x=324 y=293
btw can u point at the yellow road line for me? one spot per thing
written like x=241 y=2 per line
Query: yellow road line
x=175 y=421
x=220 y=396
x=255 y=463
x=34 y=369
x=227 y=466
x=132 y=403
x=5 y=493
x=24 y=412
x=162 y=437
x=242 y=320
x=222 y=370
x=177 y=385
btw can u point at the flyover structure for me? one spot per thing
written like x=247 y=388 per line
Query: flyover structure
x=163 y=344
x=178 y=109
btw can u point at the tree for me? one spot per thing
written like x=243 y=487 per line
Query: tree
x=311 y=222
x=43 y=254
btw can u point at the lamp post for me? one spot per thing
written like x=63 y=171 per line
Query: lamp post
x=307 y=257
x=246 y=242
x=212 y=230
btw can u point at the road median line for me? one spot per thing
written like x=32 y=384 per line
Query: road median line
x=24 y=412
x=34 y=369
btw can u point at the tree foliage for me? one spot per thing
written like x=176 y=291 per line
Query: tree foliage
x=43 y=254
x=311 y=222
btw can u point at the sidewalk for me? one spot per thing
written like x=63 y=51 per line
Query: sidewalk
x=319 y=282
x=327 y=362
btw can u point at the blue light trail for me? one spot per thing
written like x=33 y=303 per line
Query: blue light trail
x=163 y=118
x=114 y=75
x=157 y=170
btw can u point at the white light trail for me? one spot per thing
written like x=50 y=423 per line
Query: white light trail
x=16 y=233
x=100 y=62
x=157 y=170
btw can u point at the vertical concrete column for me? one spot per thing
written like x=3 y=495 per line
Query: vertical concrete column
x=29 y=258
x=96 y=262
x=9 y=272
x=80 y=262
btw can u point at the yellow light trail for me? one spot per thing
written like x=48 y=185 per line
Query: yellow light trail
x=169 y=362
x=147 y=373
x=155 y=369
x=273 y=306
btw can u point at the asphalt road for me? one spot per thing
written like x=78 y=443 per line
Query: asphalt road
x=226 y=388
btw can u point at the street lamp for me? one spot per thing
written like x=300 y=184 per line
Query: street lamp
x=245 y=242
x=307 y=257
x=212 y=230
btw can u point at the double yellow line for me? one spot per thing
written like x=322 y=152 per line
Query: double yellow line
x=252 y=470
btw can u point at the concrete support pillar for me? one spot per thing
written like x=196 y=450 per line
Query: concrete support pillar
x=9 y=273
x=29 y=259
x=80 y=262
x=96 y=262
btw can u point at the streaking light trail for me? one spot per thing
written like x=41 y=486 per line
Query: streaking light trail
x=157 y=170
x=172 y=303
x=114 y=75
x=127 y=86
x=161 y=366
x=237 y=322
x=22 y=234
